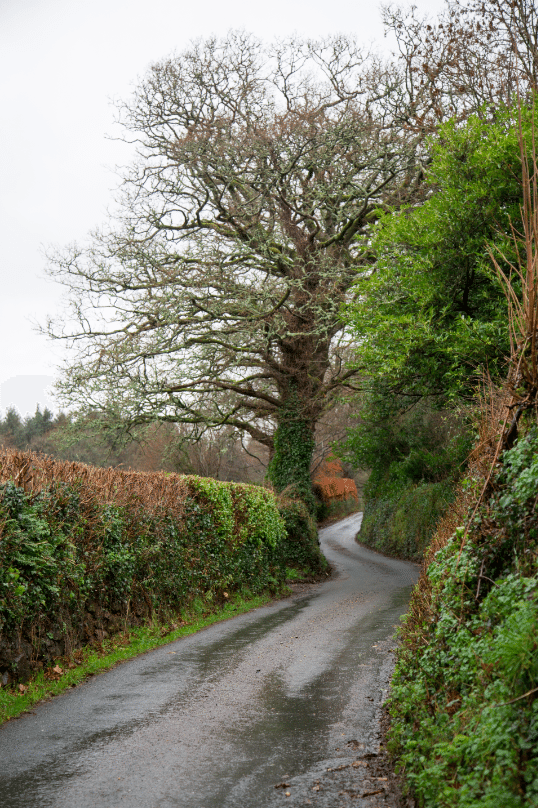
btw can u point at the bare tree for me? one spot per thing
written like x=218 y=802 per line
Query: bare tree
x=508 y=31
x=214 y=298
x=475 y=56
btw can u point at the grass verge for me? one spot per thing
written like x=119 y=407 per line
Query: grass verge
x=88 y=661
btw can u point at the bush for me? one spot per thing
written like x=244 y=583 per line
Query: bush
x=336 y=509
x=402 y=522
x=415 y=455
x=301 y=547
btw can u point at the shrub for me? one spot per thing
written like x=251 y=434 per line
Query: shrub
x=401 y=523
x=464 y=699
x=301 y=548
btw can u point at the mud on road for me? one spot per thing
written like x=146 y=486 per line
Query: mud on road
x=281 y=706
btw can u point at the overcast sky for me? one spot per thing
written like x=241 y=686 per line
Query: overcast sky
x=62 y=63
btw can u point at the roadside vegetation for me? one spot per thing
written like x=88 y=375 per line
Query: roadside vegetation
x=447 y=326
x=415 y=457
x=464 y=695
x=69 y=670
x=86 y=553
x=464 y=701
x=431 y=322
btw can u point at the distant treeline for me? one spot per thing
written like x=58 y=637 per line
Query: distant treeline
x=23 y=433
x=158 y=447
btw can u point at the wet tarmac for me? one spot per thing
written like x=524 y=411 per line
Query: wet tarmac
x=278 y=706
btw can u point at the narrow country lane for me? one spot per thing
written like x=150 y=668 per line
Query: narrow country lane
x=280 y=695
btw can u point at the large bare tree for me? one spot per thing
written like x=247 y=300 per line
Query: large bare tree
x=214 y=297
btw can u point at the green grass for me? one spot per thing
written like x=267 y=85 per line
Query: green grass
x=90 y=661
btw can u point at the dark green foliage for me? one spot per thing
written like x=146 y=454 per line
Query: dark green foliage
x=40 y=568
x=337 y=509
x=293 y=448
x=402 y=523
x=416 y=454
x=465 y=691
x=62 y=555
x=301 y=548
x=432 y=316
x=403 y=442
x=21 y=433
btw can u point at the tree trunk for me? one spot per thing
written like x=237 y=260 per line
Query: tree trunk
x=289 y=467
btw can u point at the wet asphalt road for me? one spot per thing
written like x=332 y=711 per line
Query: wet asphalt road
x=289 y=693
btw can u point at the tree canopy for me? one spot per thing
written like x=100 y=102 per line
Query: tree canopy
x=214 y=298
x=431 y=317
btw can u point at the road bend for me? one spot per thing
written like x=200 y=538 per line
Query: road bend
x=277 y=706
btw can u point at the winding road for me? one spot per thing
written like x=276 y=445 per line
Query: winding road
x=277 y=706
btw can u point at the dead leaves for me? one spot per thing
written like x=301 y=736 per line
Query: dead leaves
x=54 y=674
x=284 y=785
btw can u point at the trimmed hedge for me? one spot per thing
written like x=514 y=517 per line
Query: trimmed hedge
x=76 y=564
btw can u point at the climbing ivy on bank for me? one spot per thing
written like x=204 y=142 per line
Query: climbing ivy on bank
x=302 y=548
x=464 y=702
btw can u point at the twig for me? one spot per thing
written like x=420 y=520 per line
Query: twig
x=485 y=578
x=484 y=487
x=480 y=578
x=528 y=693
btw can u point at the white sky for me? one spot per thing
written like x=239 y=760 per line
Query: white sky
x=62 y=62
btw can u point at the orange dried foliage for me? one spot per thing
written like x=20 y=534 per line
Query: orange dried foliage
x=152 y=490
x=330 y=489
x=329 y=467
x=329 y=484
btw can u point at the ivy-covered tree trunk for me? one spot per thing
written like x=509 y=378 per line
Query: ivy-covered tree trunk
x=292 y=456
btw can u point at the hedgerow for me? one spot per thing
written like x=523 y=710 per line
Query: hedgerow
x=84 y=551
x=401 y=523
x=302 y=548
x=464 y=700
